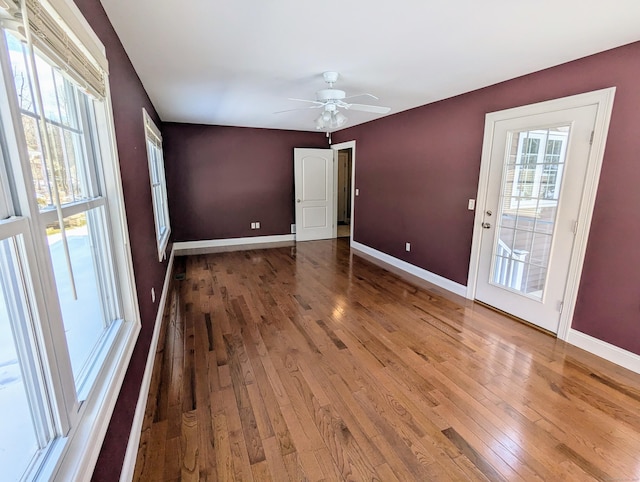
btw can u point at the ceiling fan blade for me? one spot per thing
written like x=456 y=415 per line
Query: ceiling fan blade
x=376 y=109
x=307 y=100
x=299 y=108
x=362 y=95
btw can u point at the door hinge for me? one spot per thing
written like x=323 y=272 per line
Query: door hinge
x=560 y=306
x=575 y=227
x=591 y=138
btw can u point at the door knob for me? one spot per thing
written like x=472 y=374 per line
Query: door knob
x=486 y=225
x=489 y=213
x=298 y=200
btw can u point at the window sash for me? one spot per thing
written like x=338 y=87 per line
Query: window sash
x=158 y=183
x=24 y=320
x=71 y=140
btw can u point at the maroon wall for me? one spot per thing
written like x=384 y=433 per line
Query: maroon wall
x=129 y=97
x=417 y=169
x=221 y=179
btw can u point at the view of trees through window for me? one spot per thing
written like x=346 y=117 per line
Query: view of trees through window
x=64 y=131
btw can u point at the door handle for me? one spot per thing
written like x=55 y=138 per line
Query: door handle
x=486 y=225
x=298 y=200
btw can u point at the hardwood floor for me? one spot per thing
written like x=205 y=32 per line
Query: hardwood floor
x=309 y=363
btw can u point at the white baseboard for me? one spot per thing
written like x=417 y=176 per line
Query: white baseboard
x=196 y=247
x=411 y=269
x=605 y=350
x=131 y=454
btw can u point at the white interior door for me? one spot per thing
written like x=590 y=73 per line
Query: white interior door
x=538 y=166
x=315 y=202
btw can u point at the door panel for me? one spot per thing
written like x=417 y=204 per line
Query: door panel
x=536 y=180
x=315 y=209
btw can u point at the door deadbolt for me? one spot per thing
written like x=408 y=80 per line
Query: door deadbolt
x=489 y=213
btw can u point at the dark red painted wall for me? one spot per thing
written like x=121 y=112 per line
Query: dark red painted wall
x=129 y=97
x=221 y=179
x=417 y=169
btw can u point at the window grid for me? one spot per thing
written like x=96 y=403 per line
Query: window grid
x=529 y=198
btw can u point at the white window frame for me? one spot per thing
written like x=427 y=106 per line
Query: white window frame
x=158 y=182
x=80 y=427
x=5 y=199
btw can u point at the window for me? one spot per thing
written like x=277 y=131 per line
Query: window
x=80 y=253
x=68 y=312
x=158 y=184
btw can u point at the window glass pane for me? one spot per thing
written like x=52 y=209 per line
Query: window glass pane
x=48 y=89
x=18 y=439
x=67 y=161
x=44 y=196
x=530 y=189
x=20 y=74
x=86 y=318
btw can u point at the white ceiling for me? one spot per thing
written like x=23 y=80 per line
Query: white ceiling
x=235 y=62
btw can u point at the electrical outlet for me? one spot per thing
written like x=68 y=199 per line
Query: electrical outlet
x=153 y=295
x=258 y=225
x=253 y=225
x=407 y=247
x=293 y=229
x=357 y=192
x=472 y=204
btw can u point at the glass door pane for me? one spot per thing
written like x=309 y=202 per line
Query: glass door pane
x=528 y=205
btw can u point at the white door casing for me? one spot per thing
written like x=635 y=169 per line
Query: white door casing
x=314 y=194
x=585 y=118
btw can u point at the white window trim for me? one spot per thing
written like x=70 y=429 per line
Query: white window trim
x=152 y=133
x=73 y=456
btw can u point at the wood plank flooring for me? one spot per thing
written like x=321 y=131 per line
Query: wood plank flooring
x=310 y=363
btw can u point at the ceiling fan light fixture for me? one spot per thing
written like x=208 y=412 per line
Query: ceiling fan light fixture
x=331 y=101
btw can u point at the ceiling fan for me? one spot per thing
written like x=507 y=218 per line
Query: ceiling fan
x=332 y=100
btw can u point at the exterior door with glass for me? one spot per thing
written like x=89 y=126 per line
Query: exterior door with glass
x=538 y=166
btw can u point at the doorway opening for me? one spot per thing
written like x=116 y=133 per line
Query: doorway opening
x=343 y=190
